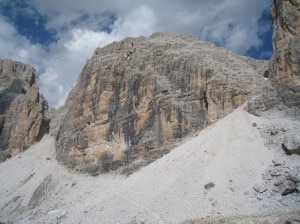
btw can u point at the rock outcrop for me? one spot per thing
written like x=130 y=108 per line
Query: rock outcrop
x=22 y=109
x=137 y=96
x=285 y=63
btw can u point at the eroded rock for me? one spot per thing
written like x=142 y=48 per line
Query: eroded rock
x=209 y=185
x=41 y=192
x=284 y=67
x=291 y=144
x=259 y=188
x=288 y=187
x=22 y=109
x=137 y=96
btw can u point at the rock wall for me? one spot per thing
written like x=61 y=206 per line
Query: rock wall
x=137 y=96
x=285 y=63
x=22 y=109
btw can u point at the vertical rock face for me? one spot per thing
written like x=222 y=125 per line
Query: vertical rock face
x=139 y=95
x=22 y=109
x=285 y=64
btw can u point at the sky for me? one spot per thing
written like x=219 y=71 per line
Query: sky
x=57 y=37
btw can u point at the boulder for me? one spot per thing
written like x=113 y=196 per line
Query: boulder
x=288 y=187
x=291 y=144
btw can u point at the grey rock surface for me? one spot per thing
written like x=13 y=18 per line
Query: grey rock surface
x=22 y=109
x=136 y=96
x=56 y=117
x=284 y=66
x=291 y=144
x=40 y=193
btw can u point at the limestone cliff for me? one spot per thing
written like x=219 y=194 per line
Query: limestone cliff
x=22 y=109
x=137 y=96
x=285 y=63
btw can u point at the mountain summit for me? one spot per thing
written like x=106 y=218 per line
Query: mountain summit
x=137 y=96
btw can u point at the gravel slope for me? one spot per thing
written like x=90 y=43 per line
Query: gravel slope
x=231 y=154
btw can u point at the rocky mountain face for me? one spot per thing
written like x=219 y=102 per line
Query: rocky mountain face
x=22 y=109
x=137 y=96
x=281 y=96
x=285 y=63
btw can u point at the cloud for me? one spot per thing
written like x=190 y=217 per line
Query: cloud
x=17 y=47
x=78 y=45
x=65 y=64
x=81 y=26
x=234 y=25
x=140 y=21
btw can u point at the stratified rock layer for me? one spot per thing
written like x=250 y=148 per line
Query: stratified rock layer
x=22 y=109
x=285 y=63
x=136 y=96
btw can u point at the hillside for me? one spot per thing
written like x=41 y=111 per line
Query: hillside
x=170 y=190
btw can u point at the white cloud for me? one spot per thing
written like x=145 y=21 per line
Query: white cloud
x=234 y=24
x=64 y=66
x=85 y=41
x=241 y=40
x=17 y=47
x=140 y=21
x=230 y=23
x=77 y=47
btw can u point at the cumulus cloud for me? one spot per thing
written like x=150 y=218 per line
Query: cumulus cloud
x=64 y=65
x=81 y=26
x=17 y=47
x=140 y=21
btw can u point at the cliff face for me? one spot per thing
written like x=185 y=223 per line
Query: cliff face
x=22 y=109
x=139 y=95
x=285 y=63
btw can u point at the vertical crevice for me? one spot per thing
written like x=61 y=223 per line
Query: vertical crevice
x=205 y=101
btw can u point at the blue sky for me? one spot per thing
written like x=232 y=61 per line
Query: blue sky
x=57 y=37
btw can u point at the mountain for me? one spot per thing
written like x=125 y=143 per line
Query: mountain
x=134 y=101
x=22 y=109
x=282 y=95
x=137 y=97
x=284 y=67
